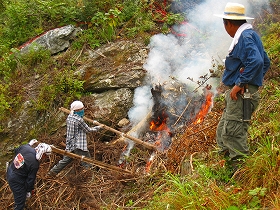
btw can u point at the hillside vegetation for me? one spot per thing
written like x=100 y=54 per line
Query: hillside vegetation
x=210 y=184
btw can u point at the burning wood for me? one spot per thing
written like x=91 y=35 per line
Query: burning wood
x=158 y=123
x=167 y=102
x=162 y=119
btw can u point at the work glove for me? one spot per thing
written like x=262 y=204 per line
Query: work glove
x=97 y=128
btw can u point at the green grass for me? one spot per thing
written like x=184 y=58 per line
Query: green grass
x=254 y=186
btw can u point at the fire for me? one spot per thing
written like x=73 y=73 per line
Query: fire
x=149 y=163
x=204 y=109
x=159 y=124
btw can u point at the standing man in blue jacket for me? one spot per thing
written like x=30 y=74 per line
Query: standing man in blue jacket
x=245 y=67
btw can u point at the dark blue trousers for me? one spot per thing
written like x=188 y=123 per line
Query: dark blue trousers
x=17 y=185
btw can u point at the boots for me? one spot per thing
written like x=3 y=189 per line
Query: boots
x=236 y=163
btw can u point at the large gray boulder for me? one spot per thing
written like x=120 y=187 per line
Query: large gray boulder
x=113 y=66
x=56 y=40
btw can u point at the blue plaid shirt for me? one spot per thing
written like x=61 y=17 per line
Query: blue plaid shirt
x=77 y=129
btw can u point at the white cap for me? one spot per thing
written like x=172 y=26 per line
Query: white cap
x=77 y=105
x=32 y=141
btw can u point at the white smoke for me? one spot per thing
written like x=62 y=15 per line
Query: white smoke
x=190 y=56
x=142 y=104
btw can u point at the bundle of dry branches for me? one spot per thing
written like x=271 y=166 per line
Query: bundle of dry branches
x=78 y=188
x=197 y=138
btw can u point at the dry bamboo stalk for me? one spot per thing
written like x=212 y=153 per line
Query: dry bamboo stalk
x=60 y=194
x=88 y=160
x=145 y=144
x=191 y=160
x=182 y=113
x=135 y=128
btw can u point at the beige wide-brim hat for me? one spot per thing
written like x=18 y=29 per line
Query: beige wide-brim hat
x=234 y=11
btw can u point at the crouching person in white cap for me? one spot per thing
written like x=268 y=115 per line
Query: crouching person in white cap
x=22 y=171
x=76 y=139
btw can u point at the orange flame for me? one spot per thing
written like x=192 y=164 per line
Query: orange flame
x=148 y=166
x=157 y=126
x=204 y=109
x=149 y=163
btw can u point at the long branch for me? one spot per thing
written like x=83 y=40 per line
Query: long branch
x=88 y=160
x=145 y=144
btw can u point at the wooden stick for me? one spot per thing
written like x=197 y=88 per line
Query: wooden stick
x=191 y=160
x=135 y=128
x=145 y=144
x=88 y=160
x=182 y=113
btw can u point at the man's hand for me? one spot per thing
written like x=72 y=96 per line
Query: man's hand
x=236 y=89
x=28 y=194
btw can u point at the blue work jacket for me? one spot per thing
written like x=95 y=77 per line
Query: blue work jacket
x=248 y=62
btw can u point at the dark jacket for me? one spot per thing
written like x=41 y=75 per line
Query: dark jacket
x=28 y=171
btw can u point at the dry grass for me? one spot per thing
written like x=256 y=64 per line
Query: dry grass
x=78 y=188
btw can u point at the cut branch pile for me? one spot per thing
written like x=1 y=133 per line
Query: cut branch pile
x=199 y=138
x=78 y=188
x=98 y=188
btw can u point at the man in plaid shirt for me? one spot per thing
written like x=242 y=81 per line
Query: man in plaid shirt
x=76 y=139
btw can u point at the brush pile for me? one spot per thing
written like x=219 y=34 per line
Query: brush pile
x=78 y=188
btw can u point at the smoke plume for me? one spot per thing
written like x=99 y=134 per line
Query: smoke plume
x=188 y=52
